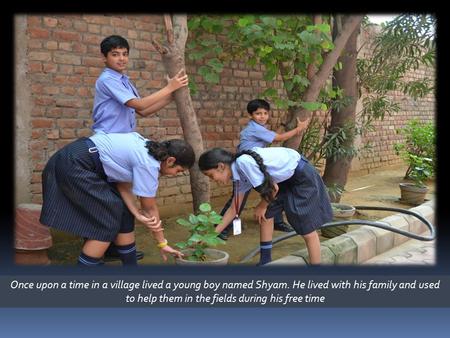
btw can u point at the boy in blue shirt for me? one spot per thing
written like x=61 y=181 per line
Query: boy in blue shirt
x=256 y=134
x=117 y=100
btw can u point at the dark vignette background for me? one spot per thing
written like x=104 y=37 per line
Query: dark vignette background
x=217 y=322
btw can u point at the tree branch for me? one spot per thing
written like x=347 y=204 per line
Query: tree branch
x=169 y=28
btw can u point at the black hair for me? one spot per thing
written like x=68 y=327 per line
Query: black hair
x=111 y=42
x=180 y=149
x=253 y=105
x=210 y=160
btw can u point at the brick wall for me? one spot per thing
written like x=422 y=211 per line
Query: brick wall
x=385 y=135
x=63 y=62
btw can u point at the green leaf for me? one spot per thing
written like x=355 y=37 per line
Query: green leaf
x=183 y=222
x=181 y=245
x=195 y=238
x=201 y=227
x=311 y=106
x=205 y=207
x=212 y=78
x=215 y=219
x=245 y=21
x=216 y=65
x=269 y=21
x=193 y=219
x=309 y=38
x=271 y=72
x=199 y=252
x=203 y=218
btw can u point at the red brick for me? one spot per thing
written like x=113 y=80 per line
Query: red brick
x=39 y=33
x=50 y=22
x=42 y=123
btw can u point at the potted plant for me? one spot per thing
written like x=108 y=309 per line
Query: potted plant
x=197 y=248
x=421 y=169
x=418 y=151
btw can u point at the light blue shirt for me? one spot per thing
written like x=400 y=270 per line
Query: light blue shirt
x=110 y=114
x=126 y=159
x=255 y=135
x=280 y=163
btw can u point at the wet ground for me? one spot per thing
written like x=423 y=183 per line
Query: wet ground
x=379 y=188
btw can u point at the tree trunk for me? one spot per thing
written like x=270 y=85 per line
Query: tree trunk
x=336 y=171
x=172 y=53
x=319 y=79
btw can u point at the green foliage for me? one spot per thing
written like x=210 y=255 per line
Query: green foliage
x=404 y=44
x=202 y=232
x=284 y=45
x=335 y=191
x=321 y=141
x=418 y=150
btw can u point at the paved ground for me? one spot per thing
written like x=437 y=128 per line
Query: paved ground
x=412 y=252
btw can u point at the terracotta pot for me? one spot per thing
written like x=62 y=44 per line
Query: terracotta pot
x=217 y=257
x=32 y=239
x=411 y=193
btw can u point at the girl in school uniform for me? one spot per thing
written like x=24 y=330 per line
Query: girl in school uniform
x=285 y=180
x=89 y=189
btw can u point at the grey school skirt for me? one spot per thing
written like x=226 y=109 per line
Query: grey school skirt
x=77 y=197
x=304 y=199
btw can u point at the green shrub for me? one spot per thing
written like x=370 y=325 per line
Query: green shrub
x=202 y=232
x=418 y=150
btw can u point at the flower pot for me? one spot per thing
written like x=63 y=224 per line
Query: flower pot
x=412 y=194
x=215 y=257
x=339 y=211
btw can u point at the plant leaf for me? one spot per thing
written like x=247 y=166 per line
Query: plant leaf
x=205 y=207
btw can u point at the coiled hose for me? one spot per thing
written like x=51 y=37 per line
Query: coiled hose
x=376 y=224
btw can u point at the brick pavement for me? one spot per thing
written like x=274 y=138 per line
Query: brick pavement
x=412 y=252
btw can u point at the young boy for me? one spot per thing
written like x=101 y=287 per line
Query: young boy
x=117 y=100
x=256 y=134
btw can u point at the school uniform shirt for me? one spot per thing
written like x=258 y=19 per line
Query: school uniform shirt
x=110 y=114
x=302 y=194
x=126 y=159
x=280 y=163
x=255 y=135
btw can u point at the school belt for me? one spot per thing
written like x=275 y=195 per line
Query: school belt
x=92 y=149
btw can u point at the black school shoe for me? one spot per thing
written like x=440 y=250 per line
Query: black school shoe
x=114 y=256
x=283 y=227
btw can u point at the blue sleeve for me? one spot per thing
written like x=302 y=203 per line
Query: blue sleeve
x=264 y=134
x=115 y=89
x=145 y=181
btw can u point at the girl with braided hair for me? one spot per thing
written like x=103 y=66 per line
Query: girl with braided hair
x=285 y=180
x=90 y=188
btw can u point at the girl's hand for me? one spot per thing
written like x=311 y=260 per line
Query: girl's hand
x=260 y=213
x=178 y=81
x=150 y=223
x=169 y=250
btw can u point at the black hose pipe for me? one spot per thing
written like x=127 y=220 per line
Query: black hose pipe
x=376 y=224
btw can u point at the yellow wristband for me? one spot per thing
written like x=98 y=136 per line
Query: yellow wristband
x=162 y=244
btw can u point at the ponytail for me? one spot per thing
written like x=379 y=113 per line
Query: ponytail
x=180 y=149
x=266 y=189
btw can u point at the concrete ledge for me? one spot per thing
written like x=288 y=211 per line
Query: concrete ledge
x=360 y=245
x=289 y=260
